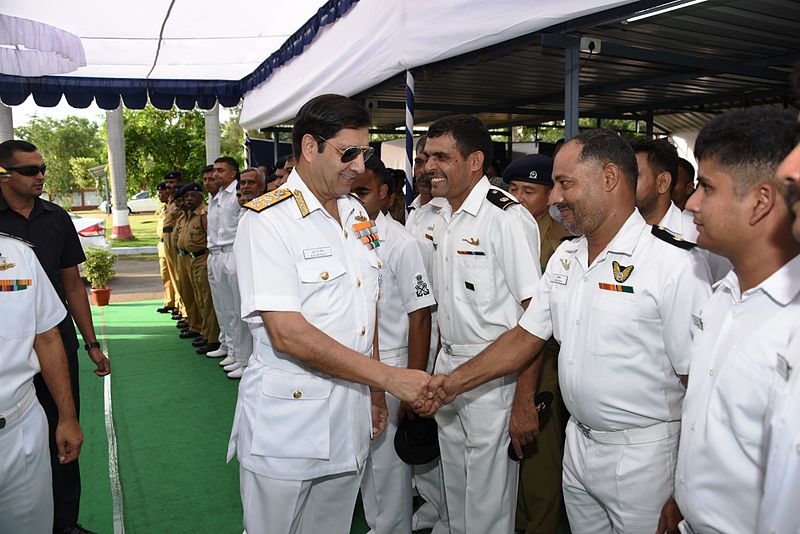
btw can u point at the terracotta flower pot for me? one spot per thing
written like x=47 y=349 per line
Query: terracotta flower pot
x=101 y=296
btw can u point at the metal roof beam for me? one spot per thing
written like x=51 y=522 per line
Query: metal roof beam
x=718 y=65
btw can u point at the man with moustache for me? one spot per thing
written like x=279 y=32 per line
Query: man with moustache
x=485 y=268
x=223 y=219
x=404 y=332
x=778 y=512
x=423 y=213
x=539 y=508
x=741 y=335
x=309 y=285
x=619 y=300
x=251 y=183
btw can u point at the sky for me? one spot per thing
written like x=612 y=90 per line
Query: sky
x=23 y=113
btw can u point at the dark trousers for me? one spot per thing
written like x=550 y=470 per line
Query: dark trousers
x=66 y=477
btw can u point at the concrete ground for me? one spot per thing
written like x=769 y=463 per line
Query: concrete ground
x=136 y=279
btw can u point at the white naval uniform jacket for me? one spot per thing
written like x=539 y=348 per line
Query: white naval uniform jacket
x=623 y=340
x=29 y=306
x=293 y=422
x=778 y=511
x=740 y=351
x=485 y=263
x=404 y=285
x=682 y=223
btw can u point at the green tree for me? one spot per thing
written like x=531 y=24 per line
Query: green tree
x=232 y=137
x=159 y=141
x=60 y=141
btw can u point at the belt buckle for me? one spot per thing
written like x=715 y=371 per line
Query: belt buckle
x=585 y=429
x=447 y=349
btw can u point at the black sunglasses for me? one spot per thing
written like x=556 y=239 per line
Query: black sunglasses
x=28 y=170
x=350 y=153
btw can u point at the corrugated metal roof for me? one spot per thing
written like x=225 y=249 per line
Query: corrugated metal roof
x=680 y=68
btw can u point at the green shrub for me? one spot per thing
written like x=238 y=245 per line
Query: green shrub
x=99 y=267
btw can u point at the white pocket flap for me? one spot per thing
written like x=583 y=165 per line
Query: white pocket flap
x=295 y=387
x=320 y=270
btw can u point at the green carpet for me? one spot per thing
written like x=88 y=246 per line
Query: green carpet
x=172 y=412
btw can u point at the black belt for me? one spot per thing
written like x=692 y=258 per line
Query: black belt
x=167 y=229
x=183 y=252
x=197 y=254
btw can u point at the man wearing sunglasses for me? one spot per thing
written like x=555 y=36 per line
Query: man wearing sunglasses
x=50 y=229
x=308 y=277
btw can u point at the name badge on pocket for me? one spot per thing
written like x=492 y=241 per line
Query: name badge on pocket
x=783 y=368
x=560 y=279
x=320 y=252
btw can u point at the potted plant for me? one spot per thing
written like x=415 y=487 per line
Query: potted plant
x=98 y=270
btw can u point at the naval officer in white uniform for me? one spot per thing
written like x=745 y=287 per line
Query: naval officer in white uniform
x=29 y=344
x=308 y=276
x=619 y=300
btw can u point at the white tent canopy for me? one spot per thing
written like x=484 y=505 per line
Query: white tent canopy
x=378 y=39
x=201 y=40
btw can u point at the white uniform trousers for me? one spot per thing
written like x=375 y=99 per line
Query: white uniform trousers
x=239 y=341
x=429 y=481
x=386 y=487
x=273 y=506
x=617 y=488
x=215 y=270
x=26 y=487
x=428 y=478
x=480 y=479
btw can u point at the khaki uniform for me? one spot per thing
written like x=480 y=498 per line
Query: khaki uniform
x=167 y=238
x=539 y=506
x=185 y=285
x=194 y=241
x=169 y=292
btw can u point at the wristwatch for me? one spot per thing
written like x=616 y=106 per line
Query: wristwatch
x=92 y=345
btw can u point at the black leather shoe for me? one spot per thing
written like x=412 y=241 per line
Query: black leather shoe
x=176 y=316
x=208 y=347
x=74 y=529
x=180 y=325
x=188 y=335
x=200 y=341
x=164 y=309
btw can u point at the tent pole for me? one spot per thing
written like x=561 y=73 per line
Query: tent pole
x=409 y=136
x=571 y=90
x=6 y=123
x=275 y=141
x=115 y=136
x=212 y=133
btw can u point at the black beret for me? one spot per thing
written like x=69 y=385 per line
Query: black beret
x=532 y=168
x=188 y=188
x=417 y=440
x=173 y=175
x=162 y=186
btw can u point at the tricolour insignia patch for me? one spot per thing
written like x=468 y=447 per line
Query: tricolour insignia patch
x=15 y=285
x=500 y=199
x=266 y=200
x=672 y=238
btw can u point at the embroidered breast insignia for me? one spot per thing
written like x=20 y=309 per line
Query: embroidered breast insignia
x=266 y=200
x=5 y=264
x=472 y=241
x=565 y=263
x=361 y=218
x=367 y=232
x=301 y=202
x=621 y=273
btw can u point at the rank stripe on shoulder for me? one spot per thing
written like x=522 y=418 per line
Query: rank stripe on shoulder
x=672 y=238
x=500 y=199
x=18 y=239
x=266 y=200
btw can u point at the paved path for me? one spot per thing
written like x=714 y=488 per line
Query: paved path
x=136 y=280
